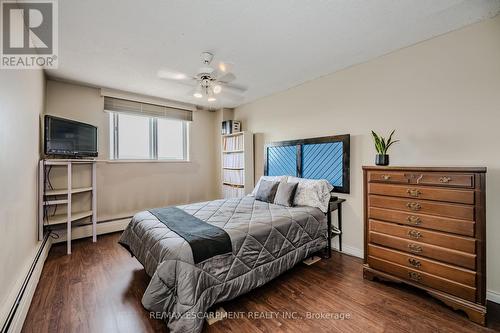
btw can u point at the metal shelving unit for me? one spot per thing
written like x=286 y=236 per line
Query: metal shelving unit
x=64 y=196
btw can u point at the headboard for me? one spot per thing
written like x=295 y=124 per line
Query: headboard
x=315 y=158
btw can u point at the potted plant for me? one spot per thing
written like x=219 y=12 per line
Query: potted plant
x=382 y=145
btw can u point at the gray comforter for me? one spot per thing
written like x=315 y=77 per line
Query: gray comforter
x=266 y=239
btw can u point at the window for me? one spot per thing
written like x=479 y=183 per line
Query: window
x=137 y=137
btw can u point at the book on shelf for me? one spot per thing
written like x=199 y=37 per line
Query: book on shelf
x=233 y=191
x=232 y=143
x=234 y=161
x=236 y=177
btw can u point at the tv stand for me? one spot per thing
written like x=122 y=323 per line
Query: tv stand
x=65 y=196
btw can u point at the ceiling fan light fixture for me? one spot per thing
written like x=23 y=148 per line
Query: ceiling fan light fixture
x=217 y=89
x=198 y=93
x=210 y=96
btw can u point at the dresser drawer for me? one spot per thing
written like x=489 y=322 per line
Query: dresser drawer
x=458 y=243
x=460 y=227
x=423 y=192
x=388 y=177
x=423 y=278
x=464 y=212
x=454 y=273
x=459 y=258
x=444 y=179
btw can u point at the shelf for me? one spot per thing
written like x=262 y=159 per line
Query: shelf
x=63 y=218
x=232 y=134
x=65 y=191
x=55 y=202
x=233 y=151
x=234 y=185
x=67 y=161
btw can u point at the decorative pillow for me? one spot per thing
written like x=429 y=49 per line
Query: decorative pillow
x=267 y=191
x=312 y=192
x=271 y=178
x=285 y=194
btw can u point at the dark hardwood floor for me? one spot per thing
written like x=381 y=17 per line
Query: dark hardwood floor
x=99 y=288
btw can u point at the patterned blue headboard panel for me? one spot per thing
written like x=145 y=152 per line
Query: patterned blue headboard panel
x=323 y=161
x=282 y=160
x=315 y=158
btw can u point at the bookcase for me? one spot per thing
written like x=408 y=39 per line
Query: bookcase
x=65 y=195
x=237 y=164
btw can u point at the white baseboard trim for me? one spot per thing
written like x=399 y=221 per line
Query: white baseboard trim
x=17 y=315
x=352 y=251
x=86 y=230
x=493 y=296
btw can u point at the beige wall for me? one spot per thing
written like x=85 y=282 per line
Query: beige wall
x=442 y=96
x=220 y=116
x=21 y=103
x=125 y=188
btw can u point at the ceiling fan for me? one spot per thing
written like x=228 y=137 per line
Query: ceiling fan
x=210 y=81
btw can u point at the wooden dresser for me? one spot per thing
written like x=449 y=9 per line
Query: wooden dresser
x=427 y=227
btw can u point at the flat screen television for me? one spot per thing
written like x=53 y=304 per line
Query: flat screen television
x=69 y=138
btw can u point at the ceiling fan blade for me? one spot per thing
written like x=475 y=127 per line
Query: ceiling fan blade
x=226 y=78
x=207 y=70
x=173 y=75
x=183 y=84
x=234 y=88
x=225 y=67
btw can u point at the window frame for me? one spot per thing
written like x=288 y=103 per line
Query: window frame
x=153 y=140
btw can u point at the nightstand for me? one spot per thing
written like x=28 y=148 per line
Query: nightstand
x=334 y=205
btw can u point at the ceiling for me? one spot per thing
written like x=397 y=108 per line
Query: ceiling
x=274 y=45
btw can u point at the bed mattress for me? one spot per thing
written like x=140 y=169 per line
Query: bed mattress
x=266 y=240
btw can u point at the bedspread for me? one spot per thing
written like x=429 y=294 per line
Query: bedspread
x=266 y=239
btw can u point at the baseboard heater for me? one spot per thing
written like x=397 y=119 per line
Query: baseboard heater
x=20 y=295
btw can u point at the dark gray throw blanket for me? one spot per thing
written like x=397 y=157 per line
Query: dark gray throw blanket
x=206 y=240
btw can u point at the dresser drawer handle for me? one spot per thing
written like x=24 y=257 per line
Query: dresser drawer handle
x=386 y=177
x=414 y=276
x=412 y=192
x=413 y=206
x=415 y=248
x=414 y=220
x=414 y=262
x=445 y=180
x=414 y=234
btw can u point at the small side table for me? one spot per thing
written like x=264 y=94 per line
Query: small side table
x=334 y=205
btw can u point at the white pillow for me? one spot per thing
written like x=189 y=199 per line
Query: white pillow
x=312 y=192
x=269 y=178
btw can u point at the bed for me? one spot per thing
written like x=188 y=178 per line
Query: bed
x=265 y=239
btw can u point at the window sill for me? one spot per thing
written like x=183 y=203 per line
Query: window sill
x=147 y=161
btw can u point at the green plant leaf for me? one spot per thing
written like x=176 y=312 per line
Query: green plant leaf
x=390 y=144
x=381 y=144
x=390 y=136
x=378 y=143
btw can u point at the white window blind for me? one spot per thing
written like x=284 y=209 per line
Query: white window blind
x=119 y=105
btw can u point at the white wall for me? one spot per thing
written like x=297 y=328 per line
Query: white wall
x=126 y=188
x=21 y=103
x=442 y=96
